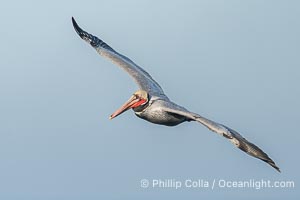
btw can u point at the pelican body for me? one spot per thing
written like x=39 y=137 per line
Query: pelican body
x=151 y=104
x=153 y=113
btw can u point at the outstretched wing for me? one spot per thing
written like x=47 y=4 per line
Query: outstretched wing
x=140 y=76
x=233 y=136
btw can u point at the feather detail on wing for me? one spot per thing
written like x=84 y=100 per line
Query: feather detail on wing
x=233 y=136
x=140 y=76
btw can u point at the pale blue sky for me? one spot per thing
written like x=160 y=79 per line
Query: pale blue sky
x=236 y=62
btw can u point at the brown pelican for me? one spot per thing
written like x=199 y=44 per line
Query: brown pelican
x=151 y=104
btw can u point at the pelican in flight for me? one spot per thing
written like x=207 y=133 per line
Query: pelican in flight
x=150 y=102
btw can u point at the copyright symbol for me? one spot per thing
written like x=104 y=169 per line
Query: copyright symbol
x=144 y=183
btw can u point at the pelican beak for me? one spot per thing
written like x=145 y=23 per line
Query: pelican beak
x=133 y=102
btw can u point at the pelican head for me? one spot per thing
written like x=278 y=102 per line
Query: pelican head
x=139 y=98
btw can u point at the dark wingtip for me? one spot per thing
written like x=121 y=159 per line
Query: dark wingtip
x=92 y=40
x=252 y=149
x=272 y=163
x=78 y=30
